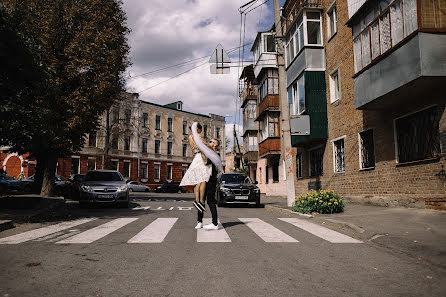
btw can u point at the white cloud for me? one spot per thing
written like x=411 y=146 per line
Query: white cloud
x=165 y=33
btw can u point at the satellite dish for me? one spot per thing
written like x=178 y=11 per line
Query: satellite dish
x=219 y=61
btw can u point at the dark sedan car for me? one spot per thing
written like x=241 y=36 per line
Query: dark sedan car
x=170 y=188
x=237 y=188
x=61 y=183
x=104 y=186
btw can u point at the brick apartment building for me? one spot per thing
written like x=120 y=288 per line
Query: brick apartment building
x=147 y=142
x=371 y=98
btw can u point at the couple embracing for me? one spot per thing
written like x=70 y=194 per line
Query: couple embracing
x=203 y=173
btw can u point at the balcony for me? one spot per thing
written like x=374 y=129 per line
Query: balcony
x=292 y=8
x=248 y=93
x=270 y=146
x=269 y=103
x=250 y=157
x=249 y=125
x=397 y=55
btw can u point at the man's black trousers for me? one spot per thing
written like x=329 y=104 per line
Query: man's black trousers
x=212 y=201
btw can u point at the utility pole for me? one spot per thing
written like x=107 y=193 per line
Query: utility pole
x=285 y=147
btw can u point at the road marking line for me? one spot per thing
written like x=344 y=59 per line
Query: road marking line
x=319 y=231
x=266 y=231
x=155 y=232
x=98 y=232
x=41 y=232
x=204 y=235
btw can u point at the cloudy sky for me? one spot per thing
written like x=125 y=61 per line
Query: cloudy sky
x=170 y=32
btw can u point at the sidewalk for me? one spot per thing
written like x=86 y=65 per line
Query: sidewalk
x=418 y=233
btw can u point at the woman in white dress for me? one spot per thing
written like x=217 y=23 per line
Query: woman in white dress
x=198 y=173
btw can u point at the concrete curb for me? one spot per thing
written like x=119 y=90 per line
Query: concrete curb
x=291 y=211
x=5 y=225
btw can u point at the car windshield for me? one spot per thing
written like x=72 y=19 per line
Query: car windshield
x=233 y=178
x=103 y=176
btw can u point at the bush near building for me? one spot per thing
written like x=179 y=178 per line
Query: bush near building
x=323 y=201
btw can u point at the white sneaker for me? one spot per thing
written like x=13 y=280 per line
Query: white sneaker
x=212 y=227
x=199 y=225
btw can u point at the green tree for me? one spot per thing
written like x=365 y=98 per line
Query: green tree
x=82 y=47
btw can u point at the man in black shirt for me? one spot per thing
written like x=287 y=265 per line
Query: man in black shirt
x=211 y=190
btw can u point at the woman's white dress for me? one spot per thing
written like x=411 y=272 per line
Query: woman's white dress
x=197 y=172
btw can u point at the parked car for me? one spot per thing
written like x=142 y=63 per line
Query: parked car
x=75 y=185
x=170 y=188
x=237 y=188
x=62 y=185
x=8 y=183
x=104 y=186
x=137 y=187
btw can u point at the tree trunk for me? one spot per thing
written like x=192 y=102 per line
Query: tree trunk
x=49 y=173
x=38 y=175
x=107 y=161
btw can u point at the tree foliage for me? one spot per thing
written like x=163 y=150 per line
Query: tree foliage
x=81 y=48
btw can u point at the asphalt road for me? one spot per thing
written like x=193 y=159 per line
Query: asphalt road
x=258 y=255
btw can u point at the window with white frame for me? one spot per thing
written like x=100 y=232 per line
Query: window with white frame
x=184 y=127
x=169 y=148
x=184 y=150
x=145 y=120
x=418 y=135
x=144 y=145
x=114 y=142
x=157 y=146
x=217 y=133
x=128 y=114
x=332 y=22
x=115 y=165
x=169 y=125
x=92 y=139
x=127 y=143
x=157 y=172
x=335 y=86
x=269 y=84
x=299 y=165
x=269 y=45
x=75 y=165
x=91 y=165
x=338 y=156
x=252 y=143
x=143 y=170
x=366 y=149
x=270 y=125
x=313 y=20
x=169 y=172
x=158 y=122
x=296 y=96
x=183 y=170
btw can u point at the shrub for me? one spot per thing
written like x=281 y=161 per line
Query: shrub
x=323 y=201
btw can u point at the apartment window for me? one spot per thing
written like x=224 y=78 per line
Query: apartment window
x=217 y=133
x=338 y=156
x=269 y=44
x=75 y=162
x=184 y=127
x=184 y=150
x=144 y=145
x=366 y=149
x=158 y=122
x=296 y=96
x=260 y=174
x=128 y=114
x=316 y=162
x=275 y=173
x=157 y=172
x=114 y=142
x=145 y=120
x=253 y=144
x=114 y=165
x=169 y=125
x=169 y=148
x=115 y=115
x=267 y=173
x=269 y=85
x=205 y=131
x=126 y=172
x=91 y=165
x=332 y=22
x=127 y=143
x=157 y=146
x=418 y=135
x=169 y=172
x=335 y=86
x=183 y=171
x=92 y=139
x=143 y=170
x=299 y=166
x=314 y=28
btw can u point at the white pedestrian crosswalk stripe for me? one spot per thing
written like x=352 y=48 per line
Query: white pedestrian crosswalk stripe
x=98 y=232
x=204 y=235
x=41 y=232
x=320 y=231
x=266 y=231
x=155 y=232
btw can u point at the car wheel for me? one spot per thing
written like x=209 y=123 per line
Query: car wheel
x=147 y=190
x=130 y=190
x=258 y=203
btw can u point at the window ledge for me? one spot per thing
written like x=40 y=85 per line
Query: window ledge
x=341 y=172
x=367 y=169
x=417 y=162
x=332 y=36
x=336 y=102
